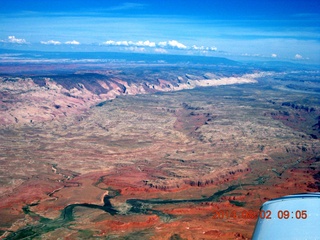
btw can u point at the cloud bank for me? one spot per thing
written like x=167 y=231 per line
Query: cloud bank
x=172 y=44
x=13 y=39
x=73 y=42
x=203 y=48
x=159 y=47
x=130 y=43
x=53 y=42
x=50 y=42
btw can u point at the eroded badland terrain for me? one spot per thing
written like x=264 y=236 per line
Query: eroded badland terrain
x=152 y=152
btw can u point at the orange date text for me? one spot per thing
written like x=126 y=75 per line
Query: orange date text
x=262 y=214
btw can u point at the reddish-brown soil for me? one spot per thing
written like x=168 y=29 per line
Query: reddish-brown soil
x=174 y=151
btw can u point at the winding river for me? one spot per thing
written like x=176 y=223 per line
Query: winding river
x=138 y=206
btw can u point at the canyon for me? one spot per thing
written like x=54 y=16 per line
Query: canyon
x=151 y=151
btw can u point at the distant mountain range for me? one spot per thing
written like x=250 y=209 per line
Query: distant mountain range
x=135 y=57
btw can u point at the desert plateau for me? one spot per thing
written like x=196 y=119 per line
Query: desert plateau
x=152 y=149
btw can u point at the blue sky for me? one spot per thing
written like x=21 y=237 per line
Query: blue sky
x=277 y=29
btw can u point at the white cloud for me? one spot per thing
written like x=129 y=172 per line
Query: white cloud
x=13 y=39
x=145 y=43
x=73 y=42
x=172 y=44
x=109 y=42
x=176 y=44
x=123 y=43
x=162 y=44
x=130 y=43
x=203 y=48
x=160 y=50
x=274 y=55
x=298 y=56
x=116 y=43
x=50 y=42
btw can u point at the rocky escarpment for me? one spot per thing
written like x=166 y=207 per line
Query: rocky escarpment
x=41 y=98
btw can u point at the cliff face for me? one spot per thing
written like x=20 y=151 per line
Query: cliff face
x=41 y=98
